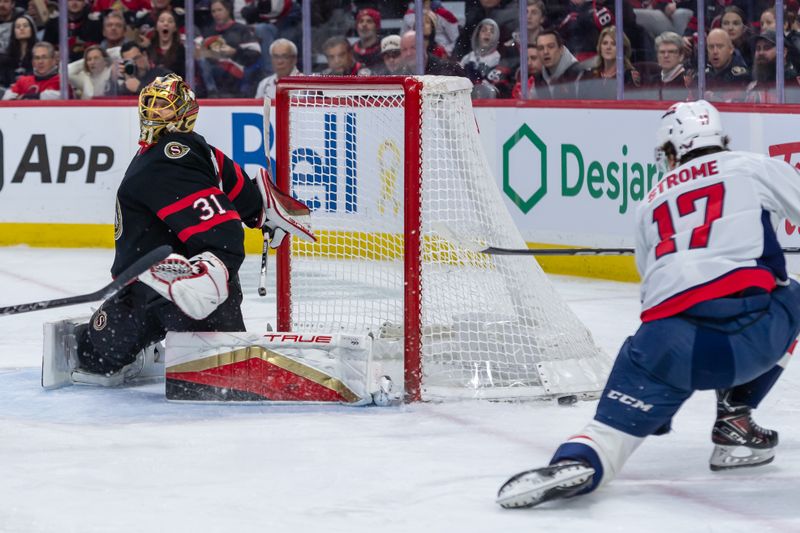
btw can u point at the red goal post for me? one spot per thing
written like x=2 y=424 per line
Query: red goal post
x=470 y=325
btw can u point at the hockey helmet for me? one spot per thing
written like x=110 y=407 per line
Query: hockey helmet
x=167 y=103
x=688 y=126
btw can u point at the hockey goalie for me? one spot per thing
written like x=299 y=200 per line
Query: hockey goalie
x=182 y=192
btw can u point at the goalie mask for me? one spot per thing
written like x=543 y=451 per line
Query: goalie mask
x=685 y=127
x=166 y=104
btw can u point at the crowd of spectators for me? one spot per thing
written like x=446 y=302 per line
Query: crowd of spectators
x=242 y=47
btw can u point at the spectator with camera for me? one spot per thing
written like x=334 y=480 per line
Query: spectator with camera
x=19 y=59
x=135 y=70
x=44 y=83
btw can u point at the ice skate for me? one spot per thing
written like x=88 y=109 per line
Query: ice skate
x=738 y=441
x=60 y=353
x=532 y=487
x=149 y=364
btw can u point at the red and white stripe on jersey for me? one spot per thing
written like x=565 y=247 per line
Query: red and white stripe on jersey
x=197 y=213
x=220 y=159
x=704 y=230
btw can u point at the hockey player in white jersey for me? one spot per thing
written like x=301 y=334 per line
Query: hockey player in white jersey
x=718 y=310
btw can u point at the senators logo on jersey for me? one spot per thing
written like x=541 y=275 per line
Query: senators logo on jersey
x=175 y=150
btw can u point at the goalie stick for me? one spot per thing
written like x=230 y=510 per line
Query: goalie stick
x=127 y=276
x=262 y=280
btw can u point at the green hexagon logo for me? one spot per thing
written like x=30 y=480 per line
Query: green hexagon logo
x=525 y=204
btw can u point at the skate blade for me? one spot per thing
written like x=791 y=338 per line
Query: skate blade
x=533 y=487
x=732 y=457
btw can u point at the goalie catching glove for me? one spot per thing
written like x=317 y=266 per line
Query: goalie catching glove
x=197 y=285
x=278 y=217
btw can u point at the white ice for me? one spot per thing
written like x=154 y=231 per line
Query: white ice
x=90 y=460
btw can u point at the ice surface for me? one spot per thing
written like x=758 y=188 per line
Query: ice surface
x=91 y=460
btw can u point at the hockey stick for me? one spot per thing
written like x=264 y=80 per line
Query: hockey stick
x=476 y=246
x=495 y=250
x=262 y=280
x=127 y=276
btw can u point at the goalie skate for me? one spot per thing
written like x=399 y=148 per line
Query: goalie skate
x=533 y=487
x=60 y=365
x=59 y=357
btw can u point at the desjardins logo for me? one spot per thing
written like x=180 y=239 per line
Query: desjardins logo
x=619 y=180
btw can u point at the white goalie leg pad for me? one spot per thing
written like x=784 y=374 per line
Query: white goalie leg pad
x=197 y=285
x=272 y=367
x=612 y=446
x=59 y=354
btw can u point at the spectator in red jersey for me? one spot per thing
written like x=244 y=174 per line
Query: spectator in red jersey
x=166 y=49
x=446 y=24
x=18 y=62
x=230 y=55
x=83 y=29
x=367 y=50
x=560 y=70
x=341 y=61
x=600 y=83
x=114 y=30
x=534 y=68
x=44 y=83
x=434 y=66
x=123 y=6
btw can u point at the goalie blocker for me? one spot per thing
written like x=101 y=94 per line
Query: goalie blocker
x=275 y=367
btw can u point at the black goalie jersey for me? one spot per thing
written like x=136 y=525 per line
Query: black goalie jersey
x=183 y=192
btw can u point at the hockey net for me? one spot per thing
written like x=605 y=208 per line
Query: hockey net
x=400 y=190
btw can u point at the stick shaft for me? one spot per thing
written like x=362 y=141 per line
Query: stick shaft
x=127 y=276
x=262 y=280
x=496 y=250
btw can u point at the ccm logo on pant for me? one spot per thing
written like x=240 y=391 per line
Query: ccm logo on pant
x=629 y=400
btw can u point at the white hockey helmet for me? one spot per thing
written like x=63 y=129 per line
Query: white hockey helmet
x=688 y=126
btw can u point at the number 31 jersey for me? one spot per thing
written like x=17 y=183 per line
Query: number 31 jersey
x=186 y=193
x=706 y=230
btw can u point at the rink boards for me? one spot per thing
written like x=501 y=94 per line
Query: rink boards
x=568 y=175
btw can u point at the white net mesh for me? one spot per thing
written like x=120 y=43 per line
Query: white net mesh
x=492 y=326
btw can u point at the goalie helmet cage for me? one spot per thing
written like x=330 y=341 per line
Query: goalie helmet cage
x=395 y=175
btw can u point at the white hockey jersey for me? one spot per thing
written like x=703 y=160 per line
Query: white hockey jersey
x=705 y=230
